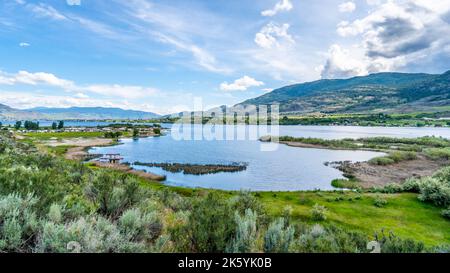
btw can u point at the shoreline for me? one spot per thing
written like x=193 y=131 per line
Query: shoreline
x=367 y=176
x=79 y=151
x=364 y=174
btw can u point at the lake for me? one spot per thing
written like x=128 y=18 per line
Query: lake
x=284 y=169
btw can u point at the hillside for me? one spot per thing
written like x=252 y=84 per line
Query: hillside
x=8 y=113
x=381 y=92
x=93 y=113
x=87 y=113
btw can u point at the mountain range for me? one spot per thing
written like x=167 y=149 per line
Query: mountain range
x=381 y=92
x=375 y=93
x=82 y=113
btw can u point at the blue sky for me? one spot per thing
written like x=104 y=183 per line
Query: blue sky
x=160 y=55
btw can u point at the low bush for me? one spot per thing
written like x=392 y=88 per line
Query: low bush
x=446 y=213
x=382 y=161
x=318 y=213
x=393 y=157
x=380 y=202
x=278 y=237
x=437 y=153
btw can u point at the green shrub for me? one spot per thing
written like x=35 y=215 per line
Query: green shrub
x=140 y=227
x=246 y=233
x=394 y=244
x=210 y=226
x=435 y=191
x=18 y=222
x=393 y=157
x=318 y=213
x=345 y=184
x=446 y=213
x=382 y=161
x=318 y=239
x=278 y=237
x=438 y=153
x=399 y=156
x=380 y=202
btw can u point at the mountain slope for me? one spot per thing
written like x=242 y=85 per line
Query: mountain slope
x=93 y=113
x=8 y=113
x=388 y=92
x=88 y=113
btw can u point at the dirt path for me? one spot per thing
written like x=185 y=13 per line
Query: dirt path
x=81 y=145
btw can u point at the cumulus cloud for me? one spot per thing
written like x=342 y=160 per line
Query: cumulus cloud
x=241 y=84
x=25 y=77
x=23 y=44
x=347 y=7
x=48 y=79
x=269 y=36
x=341 y=64
x=283 y=5
x=394 y=34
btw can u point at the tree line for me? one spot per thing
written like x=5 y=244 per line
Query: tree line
x=31 y=125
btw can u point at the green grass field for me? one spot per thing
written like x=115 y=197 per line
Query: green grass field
x=47 y=136
x=404 y=214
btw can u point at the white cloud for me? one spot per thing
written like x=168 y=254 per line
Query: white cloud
x=347 y=7
x=283 y=5
x=39 y=78
x=267 y=90
x=341 y=64
x=269 y=35
x=44 y=10
x=124 y=91
x=397 y=33
x=73 y=2
x=23 y=44
x=241 y=84
x=48 y=79
x=81 y=95
x=202 y=57
x=179 y=28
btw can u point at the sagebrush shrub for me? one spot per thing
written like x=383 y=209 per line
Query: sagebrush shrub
x=278 y=237
x=318 y=213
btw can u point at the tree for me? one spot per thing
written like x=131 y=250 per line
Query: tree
x=61 y=124
x=211 y=226
x=18 y=125
x=30 y=125
x=54 y=125
x=135 y=132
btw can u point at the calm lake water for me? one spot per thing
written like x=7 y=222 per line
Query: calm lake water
x=284 y=169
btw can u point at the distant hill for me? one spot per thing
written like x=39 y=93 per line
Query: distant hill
x=381 y=92
x=8 y=113
x=93 y=113
x=86 y=113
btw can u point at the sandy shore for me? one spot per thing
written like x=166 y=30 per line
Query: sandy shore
x=81 y=145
